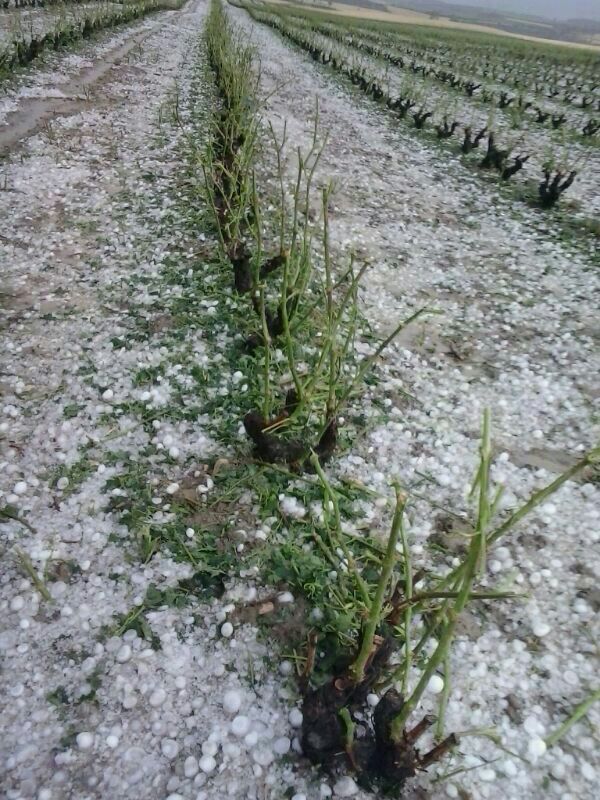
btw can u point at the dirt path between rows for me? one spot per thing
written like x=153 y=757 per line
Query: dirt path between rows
x=83 y=90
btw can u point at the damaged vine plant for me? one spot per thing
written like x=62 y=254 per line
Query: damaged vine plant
x=308 y=312
x=404 y=625
x=230 y=151
x=304 y=317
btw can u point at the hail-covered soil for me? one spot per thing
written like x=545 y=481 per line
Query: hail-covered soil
x=91 y=707
x=25 y=22
x=129 y=667
x=516 y=333
x=524 y=138
x=60 y=80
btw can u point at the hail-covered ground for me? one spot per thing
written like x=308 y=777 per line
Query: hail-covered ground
x=92 y=203
x=516 y=334
x=25 y=22
x=98 y=386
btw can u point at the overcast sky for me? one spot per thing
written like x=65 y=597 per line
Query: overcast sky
x=559 y=9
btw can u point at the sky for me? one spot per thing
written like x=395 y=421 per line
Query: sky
x=554 y=9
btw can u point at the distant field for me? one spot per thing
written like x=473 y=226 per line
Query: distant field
x=529 y=22
x=408 y=17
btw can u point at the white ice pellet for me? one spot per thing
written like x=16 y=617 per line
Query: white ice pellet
x=510 y=768
x=263 y=756
x=570 y=677
x=123 y=654
x=62 y=483
x=345 y=787
x=291 y=507
x=533 y=726
x=227 y=630
x=157 y=698
x=286 y=668
x=231 y=750
x=537 y=747
x=85 y=740
x=588 y=771
x=558 y=770
x=108 y=394
x=190 y=767
x=169 y=748
x=240 y=725
x=251 y=738
x=17 y=603
x=20 y=488
x=295 y=718
x=210 y=748
x=282 y=745
x=435 y=685
x=112 y=741
x=207 y=764
x=503 y=553
x=232 y=701
x=541 y=628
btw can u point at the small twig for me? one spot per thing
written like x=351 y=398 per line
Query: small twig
x=349 y=728
x=6 y=514
x=309 y=664
x=29 y=570
x=578 y=713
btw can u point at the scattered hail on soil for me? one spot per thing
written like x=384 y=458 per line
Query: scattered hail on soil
x=516 y=334
x=204 y=707
x=530 y=139
x=66 y=75
x=88 y=712
x=37 y=21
